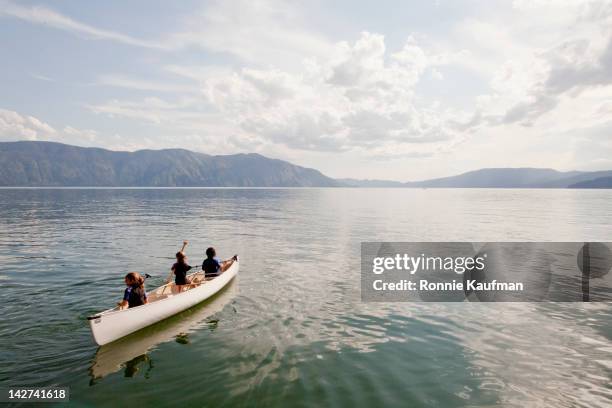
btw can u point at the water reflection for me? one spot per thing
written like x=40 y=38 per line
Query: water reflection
x=132 y=366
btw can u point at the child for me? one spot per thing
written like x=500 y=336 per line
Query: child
x=180 y=269
x=211 y=265
x=135 y=294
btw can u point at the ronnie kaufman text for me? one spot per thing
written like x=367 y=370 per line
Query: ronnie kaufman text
x=425 y=285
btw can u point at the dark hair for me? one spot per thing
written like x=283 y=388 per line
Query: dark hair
x=135 y=278
x=210 y=252
x=180 y=256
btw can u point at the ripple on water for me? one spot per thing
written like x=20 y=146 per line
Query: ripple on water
x=296 y=331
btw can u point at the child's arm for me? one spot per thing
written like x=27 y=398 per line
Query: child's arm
x=124 y=302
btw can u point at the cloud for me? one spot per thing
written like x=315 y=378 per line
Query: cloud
x=81 y=136
x=361 y=99
x=150 y=109
x=197 y=73
x=186 y=122
x=258 y=32
x=120 y=81
x=14 y=126
x=42 y=77
x=364 y=97
x=359 y=61
x=535 y=80
x=50 y=18
x=571 y=68
x=579 y=64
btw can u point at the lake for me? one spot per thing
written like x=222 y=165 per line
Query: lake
x=292 y=330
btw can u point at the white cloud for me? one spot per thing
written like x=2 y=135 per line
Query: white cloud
x=150 y=109
x=184 y=122
x=197 y=73
x=14 y=126
x=361 y=99
x=121 y=81
x=355 y=64
x=42 y=77
x=82 y=137
x=45 y=16
x=259 y=32
x=543 y=70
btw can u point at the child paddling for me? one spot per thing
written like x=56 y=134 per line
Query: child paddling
x=135 y=294
x=180 y=269
x=212 y=266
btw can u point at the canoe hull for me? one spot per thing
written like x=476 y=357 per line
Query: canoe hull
x=111 y=325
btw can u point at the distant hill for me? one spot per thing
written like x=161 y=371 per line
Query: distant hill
x=497 y=178
x=601 y=182
x=502 y=178
x=578 y=179
x=55 y=164
x=348 y=182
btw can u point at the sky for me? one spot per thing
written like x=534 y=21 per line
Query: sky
x=397 y=90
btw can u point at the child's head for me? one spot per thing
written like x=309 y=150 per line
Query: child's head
x=210 y=252
x=180 y=257
x=134 y=279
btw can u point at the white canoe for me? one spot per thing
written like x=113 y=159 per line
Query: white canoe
x=164 y=302
x=113 y=357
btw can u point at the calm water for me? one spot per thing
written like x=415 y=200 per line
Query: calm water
x=292 y=330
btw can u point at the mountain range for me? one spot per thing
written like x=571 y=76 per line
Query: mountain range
x=54 y=164
x=50 y=164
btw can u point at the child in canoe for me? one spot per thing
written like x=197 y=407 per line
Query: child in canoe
x=180 y=269
x=212 y=266
x=135 y=294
